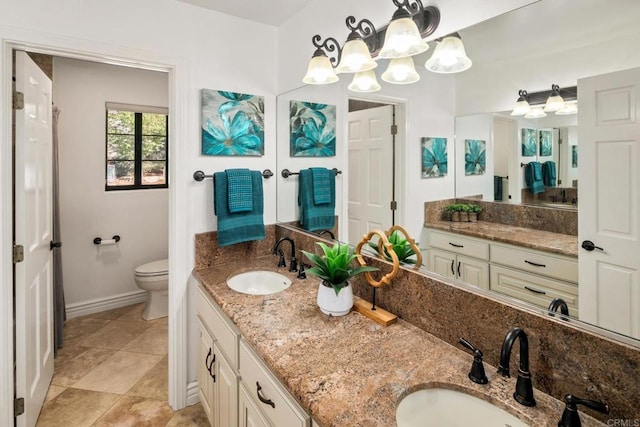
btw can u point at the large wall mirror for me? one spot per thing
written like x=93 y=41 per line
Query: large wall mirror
x=548 y=42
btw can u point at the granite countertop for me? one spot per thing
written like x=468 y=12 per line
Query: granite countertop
x=557 y=243
x=350 y=371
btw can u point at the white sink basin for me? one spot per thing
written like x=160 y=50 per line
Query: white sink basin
x=258 y=282
x=449 y=408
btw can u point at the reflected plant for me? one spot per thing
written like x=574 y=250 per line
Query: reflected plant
x=401 y=247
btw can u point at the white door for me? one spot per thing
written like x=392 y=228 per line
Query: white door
x=33 y=230
x=370 y=171
x=609 y=195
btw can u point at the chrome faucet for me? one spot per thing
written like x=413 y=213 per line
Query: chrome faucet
x=524 y=387
x=293 y=266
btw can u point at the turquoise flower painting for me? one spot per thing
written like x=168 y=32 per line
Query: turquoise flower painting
x=313 y=129
x=528 y=142
x=475 y=156
x=232 y=124
x=434 y=157
x=545 y=143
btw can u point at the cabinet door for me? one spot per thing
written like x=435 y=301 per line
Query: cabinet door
x=205 y=380
x=226 y=391
x=473 y=271
x=249 y=415
x=442 y=263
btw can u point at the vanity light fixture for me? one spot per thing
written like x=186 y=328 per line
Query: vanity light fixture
x=356 y=55
x=535 y=113
x=533 y=105
x=320 y=70
x=365 y=81
x=403 y=37
x=449 y=56
x=522 y=105
x=554 y=101
x=401 y=71
x=570 y=107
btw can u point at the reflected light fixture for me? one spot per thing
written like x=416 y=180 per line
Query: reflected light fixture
x=535 y=113
x=449 y=56
x=365 y=81
x=403 y=37
x=570 y=107
x=554 y=101
x=401 y=71
x=356 y=55
x=522 y=105
x=320 y=70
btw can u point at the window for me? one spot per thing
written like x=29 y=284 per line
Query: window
x=137 y=146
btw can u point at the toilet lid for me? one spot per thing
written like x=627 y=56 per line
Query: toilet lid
x=155 y=268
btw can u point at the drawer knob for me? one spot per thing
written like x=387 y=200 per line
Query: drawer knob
x=263 y=399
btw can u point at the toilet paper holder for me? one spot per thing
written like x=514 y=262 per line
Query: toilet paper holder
x=99 y=241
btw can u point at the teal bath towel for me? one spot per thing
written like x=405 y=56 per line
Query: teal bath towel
x=497 y=188
x=321 y=185
x=239 y=190
x=316 y=216
x=533 y=177
x=549 y=174
x=239 y=226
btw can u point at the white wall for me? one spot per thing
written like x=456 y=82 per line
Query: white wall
x=474 y=127
x=139 y=217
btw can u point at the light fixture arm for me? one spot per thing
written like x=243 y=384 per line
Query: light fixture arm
x=411 y=7
x=364 y=30
x=329 y=45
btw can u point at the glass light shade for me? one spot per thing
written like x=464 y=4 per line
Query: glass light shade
x=401 y=71
x=320 y=71
x=449 y=57
x=570 y=107
x=355 y=58
x=522 y=107
x=402 y=39
x=554 y=103
x=535 y=113
x=365 y=81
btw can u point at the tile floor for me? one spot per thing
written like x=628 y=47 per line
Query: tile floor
x=113 y=371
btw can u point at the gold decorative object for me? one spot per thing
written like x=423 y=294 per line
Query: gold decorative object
x=411 y=241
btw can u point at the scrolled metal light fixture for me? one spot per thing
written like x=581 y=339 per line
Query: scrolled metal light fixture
x=356 y=53
x=320 y=70
x=558 y=100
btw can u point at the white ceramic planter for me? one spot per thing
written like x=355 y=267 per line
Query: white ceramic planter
x=332 y=304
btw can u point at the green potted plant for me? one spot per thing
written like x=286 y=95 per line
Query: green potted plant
x=464 y=212
x=454 y=211
x=401 y=247
x=474 y=210
x=334 y=268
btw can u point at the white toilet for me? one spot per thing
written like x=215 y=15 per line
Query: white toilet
x=153 y=277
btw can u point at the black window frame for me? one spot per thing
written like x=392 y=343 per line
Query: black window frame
x=138 y=137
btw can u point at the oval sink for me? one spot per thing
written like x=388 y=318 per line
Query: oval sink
x=441 y=407
x=258 y=282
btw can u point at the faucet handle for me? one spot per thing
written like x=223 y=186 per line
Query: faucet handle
x=301 y=272
x=477 y=374
x=570 y=417
x=281 y=262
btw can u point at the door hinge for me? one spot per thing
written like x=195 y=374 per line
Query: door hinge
x=18 y=406
x=18 y=253
x=393 y=205
x=394 y=129
x=18 y=100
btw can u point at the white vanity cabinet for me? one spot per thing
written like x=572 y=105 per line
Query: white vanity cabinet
x=459 y=257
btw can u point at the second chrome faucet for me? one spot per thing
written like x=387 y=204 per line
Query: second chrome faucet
x=524 y=386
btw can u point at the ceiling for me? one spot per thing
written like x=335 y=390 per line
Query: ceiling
x=271 y=12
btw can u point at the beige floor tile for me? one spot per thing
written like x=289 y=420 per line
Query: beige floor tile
x=154 y=340
x=116 y=334
x=76 y=362
x=78 y=329
x=75 y=407
x=134 y=312
x=189 y=417
x=114 y=314
x=53 y=392
x=136 y=411
x=119 y=372
x=155 y=384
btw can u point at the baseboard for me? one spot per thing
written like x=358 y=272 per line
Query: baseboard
x=192 y=393
x=104 y=304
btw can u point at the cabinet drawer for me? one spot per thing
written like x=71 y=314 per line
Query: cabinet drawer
x=458 y=244
x=554 y=266
x=285 y=410
x=220 y=327
x=533 y=289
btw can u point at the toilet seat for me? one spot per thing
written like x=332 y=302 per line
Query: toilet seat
x=153 y=269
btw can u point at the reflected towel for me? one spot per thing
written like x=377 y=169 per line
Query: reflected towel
x=497 y=188
x=533 y=177
x=549 y=174
x=312 y=216
x=239 y=226
x=239 y=190
x=321 y=186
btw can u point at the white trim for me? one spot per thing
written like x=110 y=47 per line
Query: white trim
x=179 y=241
x=103 y=304
x=192 y=393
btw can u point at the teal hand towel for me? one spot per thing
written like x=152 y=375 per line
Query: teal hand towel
x=239 y=190
x=533 y=177
x=549 y=174
x=236 y=227
x=312 y=216
x=497 y=187
x=321 y=186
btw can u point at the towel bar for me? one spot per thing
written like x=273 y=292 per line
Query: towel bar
x=199 y=175
x=286 y=173
x=523 y=164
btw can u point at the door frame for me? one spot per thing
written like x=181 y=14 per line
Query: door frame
x=179 y=242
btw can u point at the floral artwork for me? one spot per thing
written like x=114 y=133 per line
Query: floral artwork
x=545 y=143
x=475 y=156
x=313 y=129
x=528 y=142
x=232 y=124
x=574 y=156
x=434 y=157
